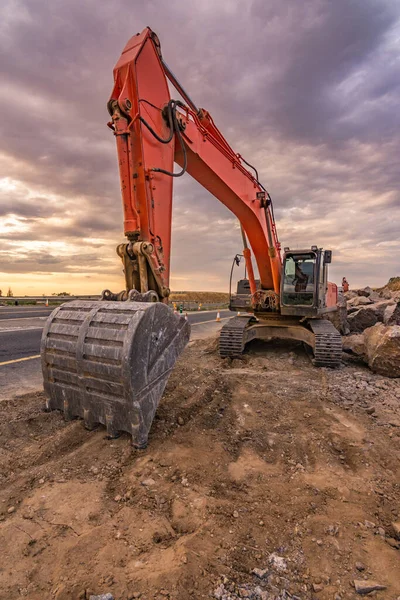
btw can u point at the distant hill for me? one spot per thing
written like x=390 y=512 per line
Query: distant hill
x=393 y=284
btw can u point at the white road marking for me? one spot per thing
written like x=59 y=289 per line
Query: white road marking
x=24 y=318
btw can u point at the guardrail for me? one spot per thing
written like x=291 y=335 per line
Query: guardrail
x=53 y=300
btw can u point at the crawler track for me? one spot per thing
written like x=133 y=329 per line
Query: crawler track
x=328 y=344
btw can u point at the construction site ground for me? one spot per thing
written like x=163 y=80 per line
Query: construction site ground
x=263 y=463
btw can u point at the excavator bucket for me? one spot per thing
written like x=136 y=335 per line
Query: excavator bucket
x=109 y=362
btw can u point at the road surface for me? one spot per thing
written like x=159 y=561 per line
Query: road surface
x=20 y=336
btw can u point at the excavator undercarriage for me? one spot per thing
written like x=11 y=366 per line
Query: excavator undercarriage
x=319 y=334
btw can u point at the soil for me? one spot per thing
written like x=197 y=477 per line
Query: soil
x=261 y=463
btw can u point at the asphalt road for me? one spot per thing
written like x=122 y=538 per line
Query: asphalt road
x=24 y=342
x=24 y=312
x=20 y=370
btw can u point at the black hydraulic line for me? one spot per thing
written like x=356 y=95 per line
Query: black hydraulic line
x=178 y=86
x=251 y=167
x=170 y=108
x=236 y=261
x=176 y=129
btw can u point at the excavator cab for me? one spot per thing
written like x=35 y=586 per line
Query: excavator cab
x=304 y=283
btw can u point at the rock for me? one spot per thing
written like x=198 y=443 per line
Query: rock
x=118 y=498
x=260 y=572
x=277 y=562
x=396 y=528
x=102 y=597
x=181 y=421
x=382 y=344
x=148 y=482
x=359 y=301
x=394 y=319
x=392 y=542
x=365 y=586
x=354 y=343
x=339 y=317
x=367 y=291
x=235 y=514
x=350 y=294
x=11 y=509
x=318 y=587
x=370 y=410
x=380 y=307
x=381 y=531
x=389 y=310
x=359 y=566
x=361 y=319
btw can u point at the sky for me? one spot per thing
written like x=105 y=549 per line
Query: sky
x=306 y=90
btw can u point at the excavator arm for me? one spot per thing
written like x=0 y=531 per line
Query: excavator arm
x=152 y=133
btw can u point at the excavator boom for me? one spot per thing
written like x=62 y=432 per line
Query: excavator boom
x=153 y=132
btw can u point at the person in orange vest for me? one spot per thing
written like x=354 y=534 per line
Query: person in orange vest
x=345 y=284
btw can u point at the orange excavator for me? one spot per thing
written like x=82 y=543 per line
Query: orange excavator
x=108 y=361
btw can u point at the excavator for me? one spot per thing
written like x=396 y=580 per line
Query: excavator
x=108 y=361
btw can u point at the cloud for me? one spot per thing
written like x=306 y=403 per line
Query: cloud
x=308 y=91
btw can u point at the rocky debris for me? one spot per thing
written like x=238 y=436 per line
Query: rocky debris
x=366 y=586
x=236 y=591
x=354 y=343
x=361 y=319
x=382 y=346
x=102 y=597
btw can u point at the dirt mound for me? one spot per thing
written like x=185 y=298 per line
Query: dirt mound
x=264 y=478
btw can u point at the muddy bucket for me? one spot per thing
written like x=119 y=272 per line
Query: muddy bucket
x=109 y=362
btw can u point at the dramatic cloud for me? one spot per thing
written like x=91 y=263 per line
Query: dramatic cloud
x=308 y=91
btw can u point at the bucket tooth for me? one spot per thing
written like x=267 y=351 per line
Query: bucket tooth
x=108 y=362
x=68 y=416
x=88 y=420
x=112 y=432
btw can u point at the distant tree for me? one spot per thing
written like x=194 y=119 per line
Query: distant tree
x=1 y=293
x=10 y=293
x=64 y=294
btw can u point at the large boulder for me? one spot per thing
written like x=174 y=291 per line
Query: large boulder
x=382 y=346
x=361 y=319
x=354 y=344
x=394 y=318
x=367 y=291
x=387 y=315
x=339 y=317
x=350 y=294
x=380 y=307
x=358 y=301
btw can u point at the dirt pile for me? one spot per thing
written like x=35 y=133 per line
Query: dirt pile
x=265 y=478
